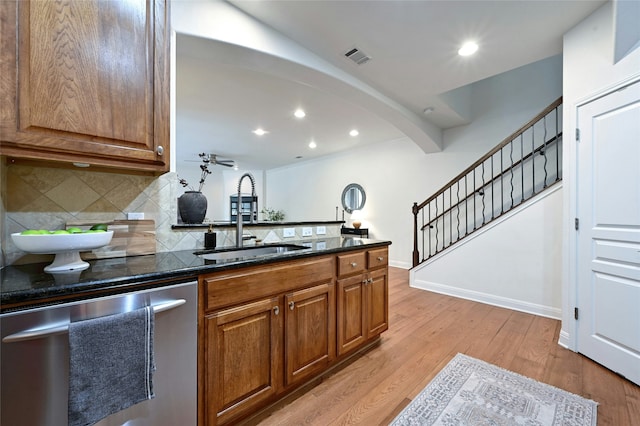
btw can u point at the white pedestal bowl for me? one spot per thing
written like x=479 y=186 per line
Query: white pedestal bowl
x=66 y=247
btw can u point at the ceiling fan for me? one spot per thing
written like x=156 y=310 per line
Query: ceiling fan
x=214 y=160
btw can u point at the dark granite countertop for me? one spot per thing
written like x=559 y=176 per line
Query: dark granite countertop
x=28 y=286
x=263 y=224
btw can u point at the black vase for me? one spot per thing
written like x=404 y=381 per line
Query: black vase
x=192 y=206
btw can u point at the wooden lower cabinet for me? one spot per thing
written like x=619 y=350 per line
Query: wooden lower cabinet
x=243 y=359
x=377 y=302
x=265 y=331
x=352 y=331
x=310 y=340
x=362 y=309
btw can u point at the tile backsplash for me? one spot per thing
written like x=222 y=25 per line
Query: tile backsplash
x=47 y=198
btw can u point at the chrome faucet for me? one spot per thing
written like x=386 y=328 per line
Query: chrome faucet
x=239 y=209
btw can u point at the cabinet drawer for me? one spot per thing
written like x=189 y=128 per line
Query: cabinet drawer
x=351 y=263
x=238 y=286
x=377 y=258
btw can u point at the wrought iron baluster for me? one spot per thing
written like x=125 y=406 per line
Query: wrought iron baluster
x=557 y=147
x=444 y=224
x=482 y=193
x=423 y=232
x=458 y=210
x=511 y=168
x=450 y=216
x=501 y=181
x=466 y=209
x=522 y=166
x=544 y=150
x=533 y=162
x=493 y=209
x=474 y=199
x=429 y=225
x=435 y=201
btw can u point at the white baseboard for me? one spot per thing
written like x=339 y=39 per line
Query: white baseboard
x=565 y=340
x=400 y=264
x=490 y=299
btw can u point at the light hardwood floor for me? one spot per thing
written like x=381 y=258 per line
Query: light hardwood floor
x=425 y=331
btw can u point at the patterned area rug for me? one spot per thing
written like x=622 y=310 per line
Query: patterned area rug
x=470 y=392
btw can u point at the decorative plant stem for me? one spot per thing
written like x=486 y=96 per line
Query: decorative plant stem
x=204 y=167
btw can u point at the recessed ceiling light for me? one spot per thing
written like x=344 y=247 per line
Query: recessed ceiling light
x=469 y=48
x=300 y=113
x=260 y=132
x=312 y=145
x=235 y=167
x=354 y=133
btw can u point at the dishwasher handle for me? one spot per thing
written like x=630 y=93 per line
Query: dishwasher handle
x=60 y=328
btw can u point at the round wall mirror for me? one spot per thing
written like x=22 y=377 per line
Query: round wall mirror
x=353 y=197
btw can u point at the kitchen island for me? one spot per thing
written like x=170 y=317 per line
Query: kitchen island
x=268 y=326
x=28 y=286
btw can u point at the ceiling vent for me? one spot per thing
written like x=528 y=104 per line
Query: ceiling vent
x=357 y=56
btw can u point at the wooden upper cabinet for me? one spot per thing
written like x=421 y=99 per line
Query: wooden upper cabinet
x=86 y=81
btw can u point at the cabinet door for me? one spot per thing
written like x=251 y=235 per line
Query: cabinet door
x=243 y=359
x=352 y=331
x=86 y=81
x=377 y=297
x=310 y=331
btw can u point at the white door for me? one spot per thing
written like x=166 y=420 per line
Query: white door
x=608 y=194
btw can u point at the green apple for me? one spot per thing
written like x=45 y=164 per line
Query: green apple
x=30 y=232
x=74 y=230
x=60 y=231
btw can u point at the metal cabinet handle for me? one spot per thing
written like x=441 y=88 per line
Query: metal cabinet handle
x=354 y=264
x=370 y=280
x=276 y=310
x=291 y=305
x=380 y=258
x=160 y=150
x=60 y=328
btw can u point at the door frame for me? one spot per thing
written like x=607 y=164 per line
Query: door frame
x=569 y=330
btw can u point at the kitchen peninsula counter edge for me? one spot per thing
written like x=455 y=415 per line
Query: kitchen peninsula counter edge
x=27 y=286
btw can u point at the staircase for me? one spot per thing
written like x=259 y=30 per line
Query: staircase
x=523 y=165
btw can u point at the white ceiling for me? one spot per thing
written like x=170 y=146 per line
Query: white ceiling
x=413 y=46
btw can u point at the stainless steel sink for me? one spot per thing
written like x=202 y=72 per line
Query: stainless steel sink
x=249 y=252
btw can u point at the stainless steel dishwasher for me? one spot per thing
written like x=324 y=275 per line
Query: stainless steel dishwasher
x=34 y=355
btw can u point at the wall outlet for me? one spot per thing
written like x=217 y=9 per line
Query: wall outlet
x=321 y=230
x=289 y=232
x=321 y=245
x=307 y=231
x=135 y=216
